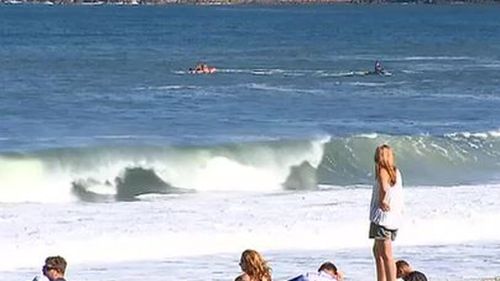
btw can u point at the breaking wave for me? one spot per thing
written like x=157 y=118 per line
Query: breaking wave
x=123 y=173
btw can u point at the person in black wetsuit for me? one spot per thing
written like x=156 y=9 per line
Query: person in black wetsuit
x=404 y=271
x=378 y=69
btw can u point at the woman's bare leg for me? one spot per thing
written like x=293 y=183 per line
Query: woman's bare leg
x=379 y=260
x=388 y=260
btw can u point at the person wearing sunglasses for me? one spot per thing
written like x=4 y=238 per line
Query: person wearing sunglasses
x=54 y=268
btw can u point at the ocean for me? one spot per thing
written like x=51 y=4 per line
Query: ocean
x=114 y=156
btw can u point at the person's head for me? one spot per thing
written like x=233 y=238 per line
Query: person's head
x=378 y=65
x=54 y=267
x=329 y=268
x=253 y=264
x=402 y=269
x=384 y=159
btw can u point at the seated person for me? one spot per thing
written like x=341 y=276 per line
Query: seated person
x=202 y=68
x=197 y=69
x=208 y=69
x=254 y=267
x=54 y=268
x=404 y=271
x=378 y=68
x=326 y=272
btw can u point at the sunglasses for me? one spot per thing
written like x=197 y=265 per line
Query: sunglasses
x=46 y=268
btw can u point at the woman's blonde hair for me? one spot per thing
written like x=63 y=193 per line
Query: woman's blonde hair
x=384 y=159
x=255 y=266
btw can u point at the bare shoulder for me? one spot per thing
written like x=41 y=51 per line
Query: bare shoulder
x=384 y=174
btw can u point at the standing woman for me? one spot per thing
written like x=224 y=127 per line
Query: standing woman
x=254 y=267
x=386 y=210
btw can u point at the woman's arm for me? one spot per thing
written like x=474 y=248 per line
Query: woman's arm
x=383 y=181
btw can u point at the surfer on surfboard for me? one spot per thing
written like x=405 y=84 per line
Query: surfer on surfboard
x=202 y=68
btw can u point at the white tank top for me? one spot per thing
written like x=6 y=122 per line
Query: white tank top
x=393 y=218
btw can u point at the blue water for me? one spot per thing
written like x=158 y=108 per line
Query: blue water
x=96 y=106
x=115 y=77
x=70 y=74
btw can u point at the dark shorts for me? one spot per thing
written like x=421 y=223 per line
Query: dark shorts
x=379 y=232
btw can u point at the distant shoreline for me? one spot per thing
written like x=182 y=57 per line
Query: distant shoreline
x=235 y=2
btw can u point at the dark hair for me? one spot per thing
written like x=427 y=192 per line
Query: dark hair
x=402 y=263
x=328 y=266
x=57 y=263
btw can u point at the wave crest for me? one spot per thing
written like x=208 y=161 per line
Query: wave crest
x=123 y=173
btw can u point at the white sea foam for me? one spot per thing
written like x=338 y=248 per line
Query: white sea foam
x=259 y=71
x=369 y=136
x=259 y=167
x=267 y=166
x=495 y=134
x=266 y=87
x=367 y=84
x=214 y=223
x=180 y=72
x=407 y=71
x=440 y=58
x=27 y=180
x=169 y=87
x=481 y=135
x=271 y=71
x=343 y=74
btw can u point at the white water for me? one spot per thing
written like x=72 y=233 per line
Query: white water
x=187 y=227
x=251 y=168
